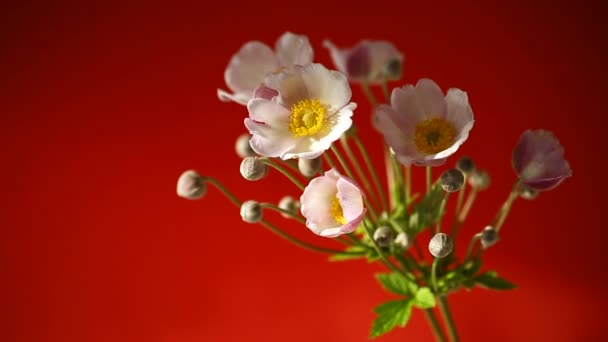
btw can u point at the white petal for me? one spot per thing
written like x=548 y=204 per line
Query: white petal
x=240 y=98
x=289 y=84
x=293 y=49
x=431 y=98
x=459 y=111
x=269 y=112
x=330 y=87
x=351 y=199
x=268 y=141
x=338 y=56
x=248 y=67
x=316 y=201
x=382 y=53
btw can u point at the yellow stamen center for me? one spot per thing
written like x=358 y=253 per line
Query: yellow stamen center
x=336 y=211
x=434 y=135
x=307 y=117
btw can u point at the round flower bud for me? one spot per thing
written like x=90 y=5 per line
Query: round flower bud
x=465 y=165
x=527 y=192
x=251 y=211
x=441 y=245
x=290 y=204
x=383 y=236
x=489 y=237
x=394 y=69
x=452 y=180
x=242 y=147
x=191 y=185
x=253 y=168
x=402 y=241
x=479 y=179
x=309 y=167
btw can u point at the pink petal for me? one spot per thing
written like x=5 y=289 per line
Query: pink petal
x=240 y=98
x=269 y=112
x=268 y=141
x=265 y=93
x=248 y=67
x=338 y=56
x=459 y=111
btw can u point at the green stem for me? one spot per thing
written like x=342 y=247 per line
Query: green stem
x=372 y=170
x=224 y=190
x=368 y=93
x=283 y=211
x=434 y=323
x=384 y=259
x=329 y=161
x=447 y=316
x=358 y=169
x=504 y=211
x=461 y=196
x=474 y=240
x=434 y=274
x=441 y=212
x=385 y=91
x=408 y=185
x=284 y=171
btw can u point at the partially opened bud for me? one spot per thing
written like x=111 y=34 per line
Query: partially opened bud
x=441 y=245
x=242 y=147
x=309 y=167
x=191 y=185
x=489 y=237
x=465 y=165
x=251 y=211
x=290 y=204
x=253 y=168
x=527 y=192
x=394 y=69
x=452 y=180
x=402 y=241
x=479 y=179
x=383 y=236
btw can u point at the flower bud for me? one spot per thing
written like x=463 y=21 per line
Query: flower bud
x=452 y=180
x=251 y=211
x=489 y=237
x=290 y=204
x=383 y=236
x=242 y=147
x=465 y=165
x=527 y=192
x=441 y=245
x=253 y=168
x=402 y=241
x=309 y=167
x=479 y=179
x=394 y=69
x=191 y=185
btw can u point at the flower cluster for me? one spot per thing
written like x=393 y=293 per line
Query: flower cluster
x=300 y=124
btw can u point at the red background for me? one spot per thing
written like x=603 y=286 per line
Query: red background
x=104 y=106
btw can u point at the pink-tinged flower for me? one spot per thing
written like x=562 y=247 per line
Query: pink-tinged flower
x=311 y=111
x=538 y=159
x=369 y=61
x=332 y=205
x=248 y=67
x=422 y=126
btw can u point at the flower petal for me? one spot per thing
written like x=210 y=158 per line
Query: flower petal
x=338 y=56
x=459 y=112
x=248 y=67
x=269 y=112
x=265 y=93
x=268 y=141
x=240 y=98
x=350 y=197
x=293 y=49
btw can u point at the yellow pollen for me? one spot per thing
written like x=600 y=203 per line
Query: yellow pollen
x=279 y=69
x=434 y=135
x=336 y=211
x=307 y=117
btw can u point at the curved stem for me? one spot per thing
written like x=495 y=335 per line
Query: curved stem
x=358 y=169
x=283 y=211
x=372 y=170
x=474 y=240
x=447 y=316
x=506 y=207
x=284 y=171
x=434 y=274
x=384 y=259
x=224 y=190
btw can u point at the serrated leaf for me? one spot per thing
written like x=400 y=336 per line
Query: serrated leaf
x=353 y=249
x=394 y=282
x=391 y=314
x=491 y=280
x=424 y=298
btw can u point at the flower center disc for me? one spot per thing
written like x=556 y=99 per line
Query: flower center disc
x=307 y=118
x=336 y=211
x=434 y=135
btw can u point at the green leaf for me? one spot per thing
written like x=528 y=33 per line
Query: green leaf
x=427 y=211
x=491 y=280
x=424 y=299
x=391 y=314
x=354 y=249
x=394 y=282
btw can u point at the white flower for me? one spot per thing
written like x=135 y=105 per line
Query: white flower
x=332 y=205
x=423 y=126
x=248 y=67
x=312 y=110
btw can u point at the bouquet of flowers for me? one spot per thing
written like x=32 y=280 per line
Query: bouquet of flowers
x=300 y=124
